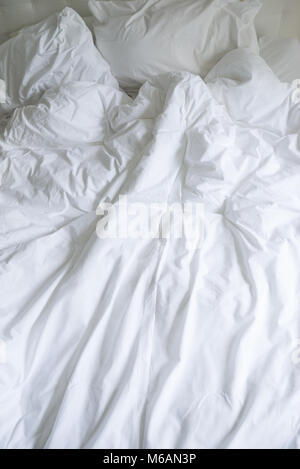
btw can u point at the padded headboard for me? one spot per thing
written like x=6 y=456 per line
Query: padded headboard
x=277 y=17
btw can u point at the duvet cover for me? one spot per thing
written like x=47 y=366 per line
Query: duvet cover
x=119 y=342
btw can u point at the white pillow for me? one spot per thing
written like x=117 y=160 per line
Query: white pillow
x=141 y=38
x=55 y=51
x=283 y=56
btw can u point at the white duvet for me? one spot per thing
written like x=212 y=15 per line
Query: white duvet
x=145 y=343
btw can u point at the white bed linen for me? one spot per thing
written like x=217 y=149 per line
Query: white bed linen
x=142 y=38
x=276 y=18
x=52 y=52
x=146 y=344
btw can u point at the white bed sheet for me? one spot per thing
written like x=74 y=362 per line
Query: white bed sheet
x=146 y=343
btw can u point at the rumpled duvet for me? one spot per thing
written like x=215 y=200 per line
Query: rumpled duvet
x=122 y=343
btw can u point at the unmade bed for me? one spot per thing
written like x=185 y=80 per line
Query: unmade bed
x=147 y=342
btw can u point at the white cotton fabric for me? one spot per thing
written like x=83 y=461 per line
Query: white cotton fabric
x=145 y=343
x=141 y=38
x=54 y=51
x=283 y=56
